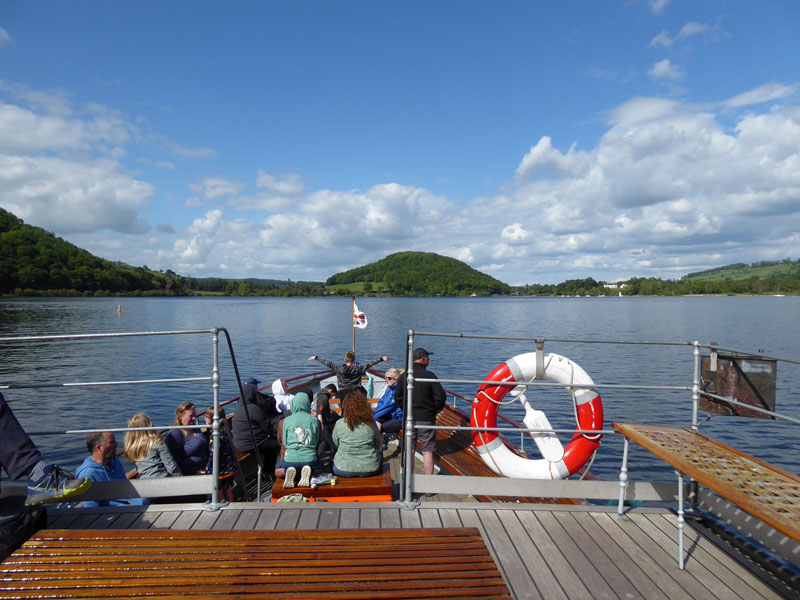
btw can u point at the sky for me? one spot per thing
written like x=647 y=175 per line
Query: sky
x=536 y=141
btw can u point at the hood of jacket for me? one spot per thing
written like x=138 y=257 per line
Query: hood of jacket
x=251 y=395
x=300 y=403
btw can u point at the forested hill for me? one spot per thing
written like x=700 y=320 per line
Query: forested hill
x=420 y=273
x=35 y=262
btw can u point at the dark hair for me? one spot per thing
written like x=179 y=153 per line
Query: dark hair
x=331 y=389
x=349 y=356
x=356 y=410
x=93 y=440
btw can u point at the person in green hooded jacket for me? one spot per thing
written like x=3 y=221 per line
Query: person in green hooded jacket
x=300 y=436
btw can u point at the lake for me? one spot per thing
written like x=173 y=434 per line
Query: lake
x=273 y=337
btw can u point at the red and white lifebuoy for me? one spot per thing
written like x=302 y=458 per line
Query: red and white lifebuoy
x=588 y=406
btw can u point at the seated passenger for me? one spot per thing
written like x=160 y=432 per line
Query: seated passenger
x=388 y=415
x=357 y=440
x=282 y=399
x=102 y=464
x=148 y=451
x=327 y=420
x=255 y=424
x=300 y=436
x=227 y=459
x=189 y=447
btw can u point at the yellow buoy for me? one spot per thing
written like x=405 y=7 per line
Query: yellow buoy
x=119 y=308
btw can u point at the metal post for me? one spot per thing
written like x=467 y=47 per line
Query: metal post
x=623 y=477
x=680 y=519
x=696 y=386
x=214 y=503
x=408 y=468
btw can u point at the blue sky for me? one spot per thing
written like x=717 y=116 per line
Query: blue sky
x=536 y=141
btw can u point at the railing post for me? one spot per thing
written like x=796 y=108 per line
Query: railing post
x=696 y=386
x=680 y=519
x=408 y=467
x=214 y=503
x=623 y=477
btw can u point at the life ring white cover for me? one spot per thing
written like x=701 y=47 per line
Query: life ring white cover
x=522 y=368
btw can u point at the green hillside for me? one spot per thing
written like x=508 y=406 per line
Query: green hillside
x=742 y=271
x=419 y=274
x=35 y=262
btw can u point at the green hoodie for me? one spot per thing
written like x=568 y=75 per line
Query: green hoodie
x=300 y=431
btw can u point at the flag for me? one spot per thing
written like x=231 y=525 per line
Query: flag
x=359 y=318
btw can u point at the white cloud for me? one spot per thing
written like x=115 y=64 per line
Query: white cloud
x=288 y=184
x=765 y=93
x=68 y=197
x=658 y=7
x=214 y=187
x=665 y=70
x=5 y=38
x=690 y=29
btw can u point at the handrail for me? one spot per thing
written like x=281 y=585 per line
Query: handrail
x=406 y=500
x=214 y=503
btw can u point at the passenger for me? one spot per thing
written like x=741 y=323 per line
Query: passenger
x=189 y=447
x=388 y=415
x=102 y=464
x=357 y=440
x=332 y=391
x=264 y=419
x=20 y=457
x=429 y=400
x=300 y=436
x=327 y=419
x=148 y=451
x=282 y=399
x=227 y=460
x=348 y=375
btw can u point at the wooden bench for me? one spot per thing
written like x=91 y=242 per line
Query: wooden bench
x=351 y=563
x=760 y=489
x=456 y=453
x=377 y=488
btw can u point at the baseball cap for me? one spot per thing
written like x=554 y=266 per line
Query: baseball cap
x=421 y=353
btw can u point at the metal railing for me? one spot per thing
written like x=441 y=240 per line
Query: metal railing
x=163 y=486
x=621 y=490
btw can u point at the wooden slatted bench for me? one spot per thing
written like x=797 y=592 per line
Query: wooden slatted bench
x=456 y=453
x=377 y=488
x=757 y=487
x=345 y=563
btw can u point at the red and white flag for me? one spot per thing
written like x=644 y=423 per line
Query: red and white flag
x=359 y=318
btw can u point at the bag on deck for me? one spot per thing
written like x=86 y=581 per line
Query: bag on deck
x=18 y=522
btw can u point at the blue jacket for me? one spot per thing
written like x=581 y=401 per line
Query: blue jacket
x=387 y=406
x=113 y=472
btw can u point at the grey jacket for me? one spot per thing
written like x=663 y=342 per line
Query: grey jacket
x=158 y=463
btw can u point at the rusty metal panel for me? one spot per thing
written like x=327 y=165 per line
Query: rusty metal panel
x=745 y=379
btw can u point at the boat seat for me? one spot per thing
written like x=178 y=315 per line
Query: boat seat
x=164 y=563
x=456 y=453
x=760 y=489
x=377 y=488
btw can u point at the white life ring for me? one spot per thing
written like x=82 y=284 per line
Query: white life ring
x=522 y=368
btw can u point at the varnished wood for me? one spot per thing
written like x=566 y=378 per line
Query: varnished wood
x=763 y=490
x=377 y=488
x=426 y=563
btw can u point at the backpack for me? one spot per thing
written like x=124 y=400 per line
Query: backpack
x=18 y=523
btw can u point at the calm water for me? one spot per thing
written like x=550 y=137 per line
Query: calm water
x=274 y=337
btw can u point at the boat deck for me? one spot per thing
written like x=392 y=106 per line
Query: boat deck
x=542 y=551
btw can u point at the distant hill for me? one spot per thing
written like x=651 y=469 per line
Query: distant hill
x=36 y=262
x=419 y=274
x=755 y=271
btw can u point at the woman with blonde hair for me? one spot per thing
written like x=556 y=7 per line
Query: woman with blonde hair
x=357 y=440
x=148 y=451
x=188 y=446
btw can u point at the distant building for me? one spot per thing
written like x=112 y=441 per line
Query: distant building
x=614 y=286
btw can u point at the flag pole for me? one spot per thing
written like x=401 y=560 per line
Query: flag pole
x=353 y=319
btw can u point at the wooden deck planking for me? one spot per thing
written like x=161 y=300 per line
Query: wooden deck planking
x=718 y=560
x=542 y=552
x=623 y=559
